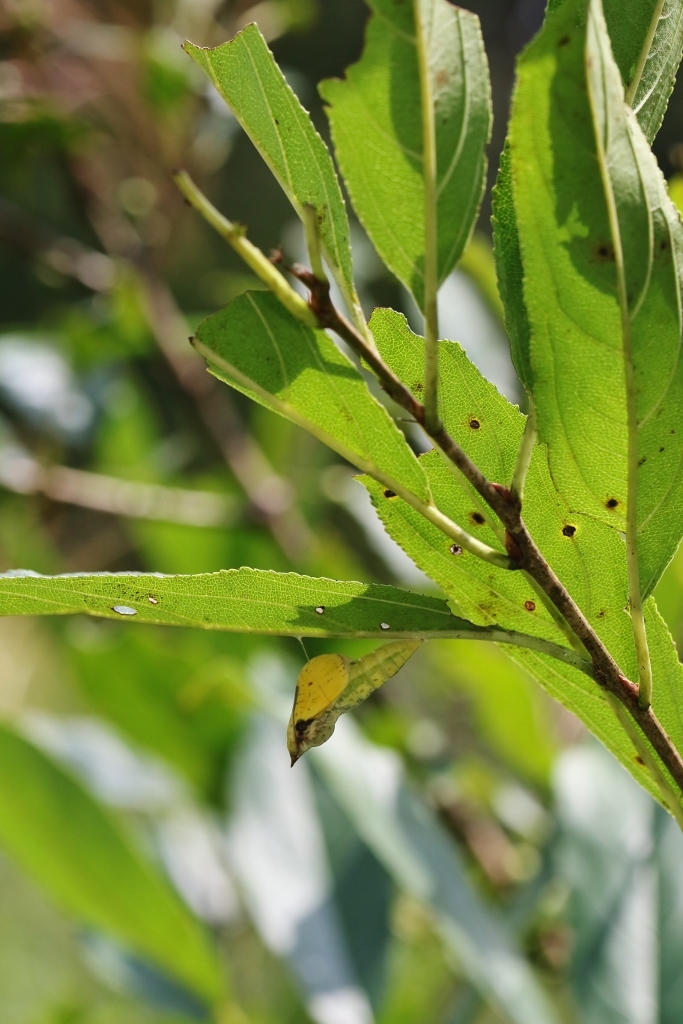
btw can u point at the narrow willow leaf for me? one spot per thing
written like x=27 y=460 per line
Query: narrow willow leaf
x=587 y=555
x=254 y=601
x=330 y=685
x=247 y=77
x=655 y=58
x=647 y=43
x=510 y=270
x=302 y=375
x=237 y=600
x=602 y=248
x=376 y=119
x=71 y=846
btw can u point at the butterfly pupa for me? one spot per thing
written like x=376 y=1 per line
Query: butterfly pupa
x=331 y=684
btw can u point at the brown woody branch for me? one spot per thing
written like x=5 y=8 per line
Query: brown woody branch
x=519 y=542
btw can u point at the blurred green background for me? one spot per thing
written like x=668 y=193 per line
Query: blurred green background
x=460 y=850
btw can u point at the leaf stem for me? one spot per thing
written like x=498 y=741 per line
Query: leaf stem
x=644 y=54
x=235 y=236
x=526 y=449
x=431 y=256
x=310 y=222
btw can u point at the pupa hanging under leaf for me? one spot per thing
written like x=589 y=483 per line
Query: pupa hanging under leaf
x=332 y=684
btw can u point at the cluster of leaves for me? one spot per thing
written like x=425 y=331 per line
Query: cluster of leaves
x=588 y=246
x=588 y=251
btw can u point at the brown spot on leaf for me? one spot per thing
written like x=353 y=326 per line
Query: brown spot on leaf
x=477 y=518
x=568 y=530
x=638 y=759
x=389 y=494
x=475 y=424
x=455 y=549
x=604 y=252
x=530 y=606
x=612 y=503
x=442 y=79
x=564 y=41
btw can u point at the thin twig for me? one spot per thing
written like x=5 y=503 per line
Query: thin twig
x=235 y=236
x=129 y=498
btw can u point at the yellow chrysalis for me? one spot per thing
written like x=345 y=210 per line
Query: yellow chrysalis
x=331 y=684
x=321 y=681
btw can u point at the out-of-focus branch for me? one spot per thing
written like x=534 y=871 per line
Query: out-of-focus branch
x=23 y=475
x=61 y=254
x=269 y=494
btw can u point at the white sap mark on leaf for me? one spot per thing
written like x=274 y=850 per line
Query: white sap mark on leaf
x=153 y=600
x=320 y=610
x=385 y=625
x=124 y=609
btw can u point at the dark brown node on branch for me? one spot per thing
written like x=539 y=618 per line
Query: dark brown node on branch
x=507 y=495
x=568 y=530
x=512 y=547
x=631 y=687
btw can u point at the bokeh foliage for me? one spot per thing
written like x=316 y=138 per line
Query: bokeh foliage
x=445 y=846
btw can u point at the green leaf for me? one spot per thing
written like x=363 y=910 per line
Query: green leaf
x=602 y=248
x=253 y=601
x=655 y=58
x=376 y=116
x=259 y=348
x=647 y=43
x=489 y=429
x=510 y=270
x=62 y=837
x=587 y=555
x=247 y=77
x=237 y=600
